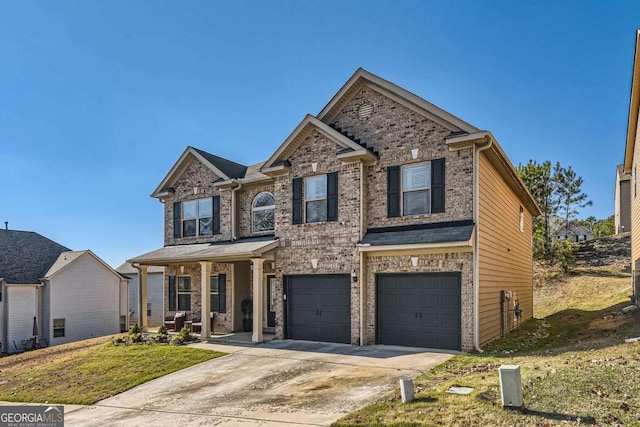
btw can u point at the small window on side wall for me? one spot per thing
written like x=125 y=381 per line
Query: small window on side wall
x=58 y=328
x=521 y=219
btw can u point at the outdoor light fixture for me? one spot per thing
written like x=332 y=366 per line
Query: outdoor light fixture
x=354 y=276
x=414 y=261
x=314 y=263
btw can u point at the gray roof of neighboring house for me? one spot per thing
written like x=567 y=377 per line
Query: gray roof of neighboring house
x=454 y=231
x=229 y=168
x=26 y=256
x=126 y=268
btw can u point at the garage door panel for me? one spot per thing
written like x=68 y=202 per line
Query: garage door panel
x=424 y=312
x=319 y=308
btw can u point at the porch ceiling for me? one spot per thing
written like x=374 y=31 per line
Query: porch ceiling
x=216 y=252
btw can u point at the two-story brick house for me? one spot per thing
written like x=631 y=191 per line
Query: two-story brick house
x=383 y=219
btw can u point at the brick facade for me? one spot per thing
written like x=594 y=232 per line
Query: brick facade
x=332 y=243
x=222 y=321
x=400 y=136
x=245 y=203
x=427 y=263
x=394 y=130
x=196 y=182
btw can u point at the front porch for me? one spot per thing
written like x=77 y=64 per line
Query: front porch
x=231 y=283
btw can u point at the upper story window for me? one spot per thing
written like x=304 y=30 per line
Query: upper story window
x=319 y=200
x=200 y=217
x=197 y=217
x=416 y=189
x=315 y=198
x=263 y=211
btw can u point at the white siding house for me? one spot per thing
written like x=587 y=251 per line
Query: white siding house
x=155 y=296
x=85 y=297
x=69 y=295
x=21 y=308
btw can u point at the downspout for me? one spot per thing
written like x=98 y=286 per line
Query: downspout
x=137 y=267
x=476 y=243
x=233 y=211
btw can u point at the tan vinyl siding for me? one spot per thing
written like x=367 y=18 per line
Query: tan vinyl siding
x=635 y=211
x=505 y=253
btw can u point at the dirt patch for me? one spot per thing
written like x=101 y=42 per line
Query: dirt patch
x=44 y=355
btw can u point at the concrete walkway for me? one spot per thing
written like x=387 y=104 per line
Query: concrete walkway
x=294 y=383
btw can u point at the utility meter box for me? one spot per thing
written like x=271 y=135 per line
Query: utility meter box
x=511 y=387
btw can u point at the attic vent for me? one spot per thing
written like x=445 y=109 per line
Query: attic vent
x=365 y=110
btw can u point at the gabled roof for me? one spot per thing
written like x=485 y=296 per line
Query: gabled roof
x=308 y=124
x=26 y=256
x=67 y=258
x=224 y=168
x=364 y=78
x=634 y=106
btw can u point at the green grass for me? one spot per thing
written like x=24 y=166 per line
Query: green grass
x=575 y=367
x=89 y=375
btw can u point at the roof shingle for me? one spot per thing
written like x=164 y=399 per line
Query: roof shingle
x=26 y=256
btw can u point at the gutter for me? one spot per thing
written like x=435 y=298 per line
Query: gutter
x=233 y=211
x=476 y=242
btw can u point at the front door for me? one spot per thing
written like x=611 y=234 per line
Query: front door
x=271 y=301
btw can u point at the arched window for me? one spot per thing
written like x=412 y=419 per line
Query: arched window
x=263 y=213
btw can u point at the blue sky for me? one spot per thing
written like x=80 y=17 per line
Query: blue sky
x=98 y=99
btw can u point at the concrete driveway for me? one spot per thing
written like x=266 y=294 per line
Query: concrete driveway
x=277 y=383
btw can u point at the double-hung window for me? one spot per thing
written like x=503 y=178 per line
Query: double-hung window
x=197 y=218
x=184 y=293
x=58 y=328
x=315 y=197
x=416 y=189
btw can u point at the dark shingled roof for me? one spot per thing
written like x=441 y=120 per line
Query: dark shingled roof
x=26 y=256
x=441 y=232
x=229 y=168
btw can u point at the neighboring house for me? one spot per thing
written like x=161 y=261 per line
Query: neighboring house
x=155 y=296
x=622 y=201
x=632 y=164
x=73 y=295
x=573 y=232
x=383 y=219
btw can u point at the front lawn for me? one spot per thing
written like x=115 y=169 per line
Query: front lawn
x=91 y=374
x=576 y=368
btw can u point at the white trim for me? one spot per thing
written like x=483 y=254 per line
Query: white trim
x=476 y=243
x=405 y=97
x=262 y=208
x=466 y=244
x=298 y=134
x=177 y=169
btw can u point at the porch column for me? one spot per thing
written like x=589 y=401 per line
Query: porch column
x=205 y=305
x=258 y=299
x=142 y=293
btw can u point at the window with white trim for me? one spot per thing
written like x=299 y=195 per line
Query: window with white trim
x=416 y=189
x=521 y=219
x=263 y=213
x=58 y=328
x=184 y=293
x=315 y=198
x=197 y=217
